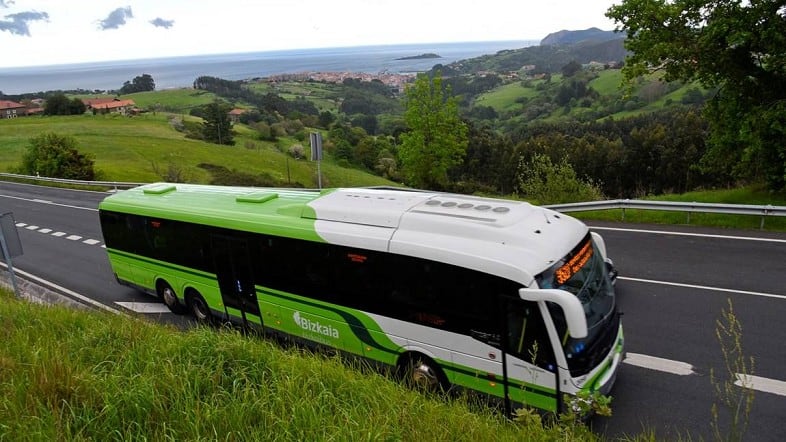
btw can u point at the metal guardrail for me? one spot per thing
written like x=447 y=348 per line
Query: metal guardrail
x=112 y=184
x=623 y=204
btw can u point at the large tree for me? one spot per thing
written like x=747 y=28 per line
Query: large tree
x=437 y=138
x=59 y=104
x=735 y=47
x=141 y=83
x=217 y=127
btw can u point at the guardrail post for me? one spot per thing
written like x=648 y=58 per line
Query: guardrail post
x=764 y=213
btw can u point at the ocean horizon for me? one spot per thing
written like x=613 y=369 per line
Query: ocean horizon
x=181 y=71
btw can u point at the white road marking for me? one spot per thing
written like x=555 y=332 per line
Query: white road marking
x=73 y=237
x=144 y=307
x=71 y=293
x=45 y=230
x=758 y=383
x=91 y=242
x=761 y=384
x=702 y=287
x=49 y=203
x=659 y=364
x=701 y=235
x=59 y=234
x=21 y=224
x=31 y=227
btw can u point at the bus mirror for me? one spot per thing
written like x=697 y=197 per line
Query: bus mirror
x=570 y=304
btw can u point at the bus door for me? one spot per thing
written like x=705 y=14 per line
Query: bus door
x=236 y=278
x=530 y=363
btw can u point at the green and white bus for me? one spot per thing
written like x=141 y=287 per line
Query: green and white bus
x=496 y=296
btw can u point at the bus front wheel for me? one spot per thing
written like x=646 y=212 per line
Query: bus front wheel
x=167 y=294
x=422 y=373
x=198 y=307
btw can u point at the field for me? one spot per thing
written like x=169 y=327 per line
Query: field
x=142 y=148
x=89 y=375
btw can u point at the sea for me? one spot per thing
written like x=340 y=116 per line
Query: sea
x=178 y=72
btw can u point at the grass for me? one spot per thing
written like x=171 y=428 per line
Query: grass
x=84 y=375
x=504 y=98
x=744 y=195
x=140 y=149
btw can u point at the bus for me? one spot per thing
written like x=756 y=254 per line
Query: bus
x=500 y=297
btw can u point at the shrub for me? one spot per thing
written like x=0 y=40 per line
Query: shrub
x=56 y=156
x=548 y=183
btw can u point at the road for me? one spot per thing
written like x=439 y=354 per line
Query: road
x=675 y=281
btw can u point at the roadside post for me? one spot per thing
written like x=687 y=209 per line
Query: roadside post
x=10 y=244
x=316 y=154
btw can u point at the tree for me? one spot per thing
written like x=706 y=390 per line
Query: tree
x=217 y=127
x=737 y=47
x=56 y=156
x=571 y=69
x=437 y=138
x=59 y=104
x=141 y=83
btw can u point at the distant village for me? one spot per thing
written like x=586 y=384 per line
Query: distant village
x=104 y=105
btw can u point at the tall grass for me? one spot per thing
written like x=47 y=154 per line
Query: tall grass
x=77 y=375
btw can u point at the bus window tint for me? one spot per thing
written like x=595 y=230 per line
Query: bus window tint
x=527 y=335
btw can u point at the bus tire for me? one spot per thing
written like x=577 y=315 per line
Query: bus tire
x=198 y=307
x=422 y=373
x=168 y=295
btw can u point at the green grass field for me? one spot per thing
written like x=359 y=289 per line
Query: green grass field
x=71 y=374
x=142 y=148
x=743 y=195
x=504 y=97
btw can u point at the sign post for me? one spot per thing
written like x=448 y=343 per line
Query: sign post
x=316 y=154
x=10 y=245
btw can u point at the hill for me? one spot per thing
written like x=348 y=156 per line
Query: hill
x=591 y=35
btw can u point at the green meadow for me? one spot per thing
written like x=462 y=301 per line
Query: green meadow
x=144 y=147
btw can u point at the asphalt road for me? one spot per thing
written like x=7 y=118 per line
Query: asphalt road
x=674 y=283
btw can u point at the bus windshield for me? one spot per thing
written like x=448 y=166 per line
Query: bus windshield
x=583 y=273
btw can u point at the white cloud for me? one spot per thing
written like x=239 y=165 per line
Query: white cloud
x=202 y=27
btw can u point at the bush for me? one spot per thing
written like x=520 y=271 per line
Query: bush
x=56 y=156
x=548 y=183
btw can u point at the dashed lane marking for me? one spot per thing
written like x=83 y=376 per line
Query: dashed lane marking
x=659 y=364
x=761 y=384
x=89 y=241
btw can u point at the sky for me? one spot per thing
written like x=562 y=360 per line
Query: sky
x=45 y=32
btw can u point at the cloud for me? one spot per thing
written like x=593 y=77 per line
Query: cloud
x=160 y=22
x=18 y=22
x=6 y=3
x=116 y=18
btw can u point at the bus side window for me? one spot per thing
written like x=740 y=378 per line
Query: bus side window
x=527 y=337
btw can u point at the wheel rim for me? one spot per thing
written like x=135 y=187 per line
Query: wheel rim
x=424 y=376
x=169 y=296
x=199 y=308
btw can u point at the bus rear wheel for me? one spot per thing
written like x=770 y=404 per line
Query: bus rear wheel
x=422 y=373
x=167 y=294
x=198 y=307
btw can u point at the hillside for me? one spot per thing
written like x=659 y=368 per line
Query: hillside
x=566 y=37
x=89 y=375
